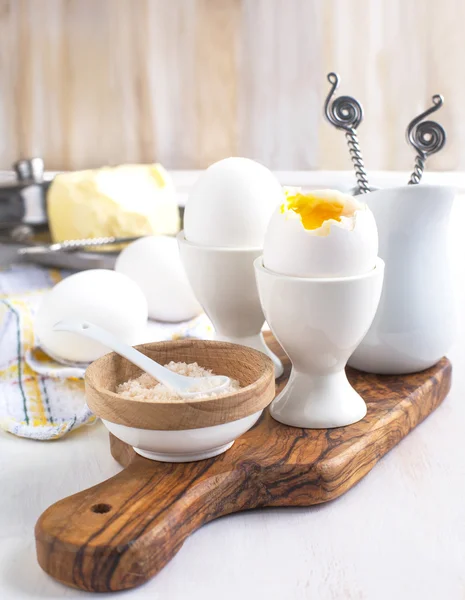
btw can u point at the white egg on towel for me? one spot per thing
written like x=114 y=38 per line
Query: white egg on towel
x=100 y=296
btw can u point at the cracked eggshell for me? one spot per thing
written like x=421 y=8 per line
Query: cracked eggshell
x=334 y=250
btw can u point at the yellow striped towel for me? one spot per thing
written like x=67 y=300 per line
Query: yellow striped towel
x=37 y=406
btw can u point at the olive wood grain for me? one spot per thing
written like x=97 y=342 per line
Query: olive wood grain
x=121 y=532
x=253 y=370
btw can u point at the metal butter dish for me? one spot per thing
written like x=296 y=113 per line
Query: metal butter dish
x=74 y=254
x=76 y=261
x=24 y=233
x=22 y=194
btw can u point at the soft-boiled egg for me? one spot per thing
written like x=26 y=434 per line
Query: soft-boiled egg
x=322 y=233
x=231 y=204
x=154 y=263
x=100 y=296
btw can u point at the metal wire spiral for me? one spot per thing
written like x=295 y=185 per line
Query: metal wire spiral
x=346 y=113
x=427 y=137
x=357 y=160
x=418 y=170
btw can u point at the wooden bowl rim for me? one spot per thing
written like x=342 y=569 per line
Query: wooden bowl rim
x=220 y=345
x=243 y=398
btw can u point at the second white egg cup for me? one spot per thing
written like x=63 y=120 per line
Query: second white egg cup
x=223 y=281
x=319 y=323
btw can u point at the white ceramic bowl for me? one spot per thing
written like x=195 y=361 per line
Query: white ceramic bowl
x=181 y=431
x=185 y=445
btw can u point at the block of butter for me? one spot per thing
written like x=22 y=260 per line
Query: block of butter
x=128 y=200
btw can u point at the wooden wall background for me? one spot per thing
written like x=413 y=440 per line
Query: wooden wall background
x=186 y=82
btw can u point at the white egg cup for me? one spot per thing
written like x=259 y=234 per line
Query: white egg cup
x=223 y=281
x=185 y=445
x=319 y=322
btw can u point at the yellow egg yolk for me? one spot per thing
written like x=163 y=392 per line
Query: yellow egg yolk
x=313 y=211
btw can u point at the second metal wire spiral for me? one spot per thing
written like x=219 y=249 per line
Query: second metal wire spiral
x=427 y=137
x=346 y=113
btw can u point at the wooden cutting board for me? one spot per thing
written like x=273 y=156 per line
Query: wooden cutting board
x=120 y=533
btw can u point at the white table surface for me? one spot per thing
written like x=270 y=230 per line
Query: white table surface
x=400 y=533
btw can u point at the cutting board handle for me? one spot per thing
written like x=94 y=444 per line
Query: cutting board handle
x=118 y=534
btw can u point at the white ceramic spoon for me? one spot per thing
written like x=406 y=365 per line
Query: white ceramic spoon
x=180 y=384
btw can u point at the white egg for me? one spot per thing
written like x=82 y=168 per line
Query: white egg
x=332 y=245
x=100 y=296
x=155 y=265
x=231 y=204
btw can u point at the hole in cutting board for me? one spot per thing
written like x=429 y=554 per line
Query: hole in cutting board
x=100 y=508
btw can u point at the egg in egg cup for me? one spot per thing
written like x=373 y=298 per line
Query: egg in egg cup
x=225 y=220
x=319 y=282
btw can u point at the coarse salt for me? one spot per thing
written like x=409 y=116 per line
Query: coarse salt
x=147 y=389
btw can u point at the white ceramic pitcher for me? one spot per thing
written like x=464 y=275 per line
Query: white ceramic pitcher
x=414 y=325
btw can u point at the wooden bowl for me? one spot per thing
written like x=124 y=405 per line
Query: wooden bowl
x=253 y=369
